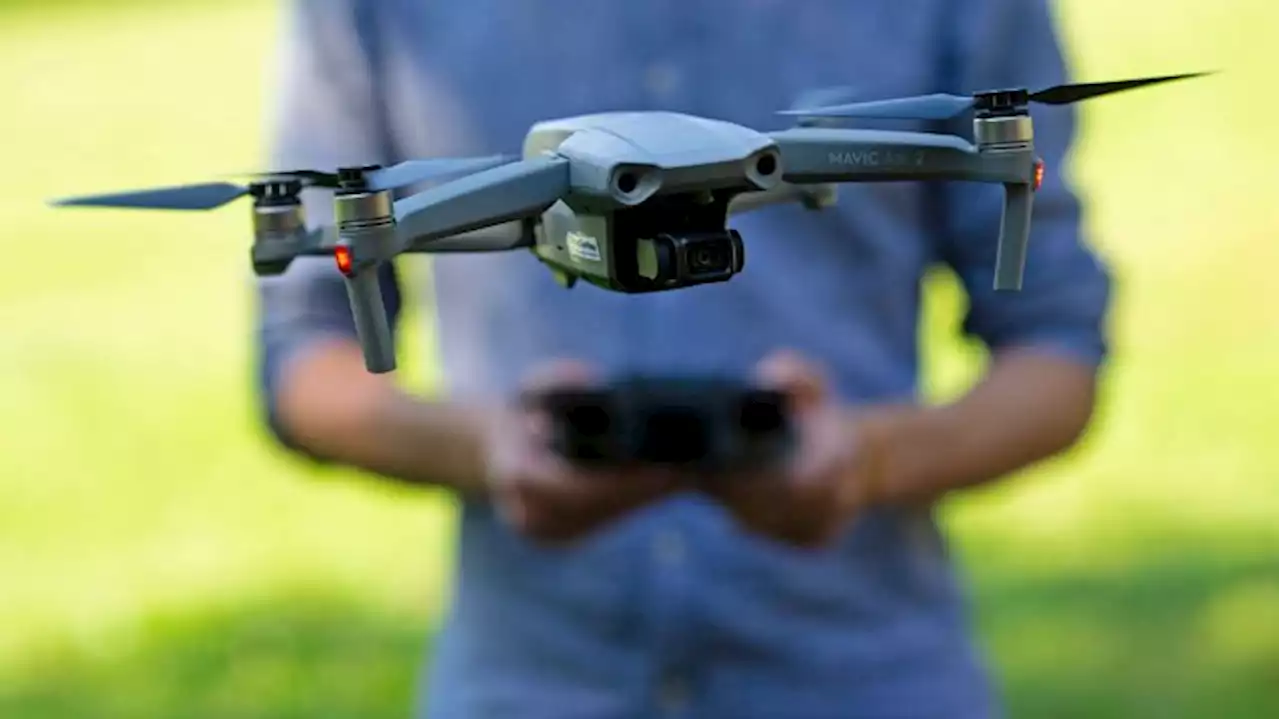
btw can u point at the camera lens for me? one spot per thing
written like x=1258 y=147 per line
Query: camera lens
x=708 y=258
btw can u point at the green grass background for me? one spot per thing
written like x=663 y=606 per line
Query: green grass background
x=159 y=558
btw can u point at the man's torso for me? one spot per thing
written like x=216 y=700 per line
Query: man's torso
x=674 y=608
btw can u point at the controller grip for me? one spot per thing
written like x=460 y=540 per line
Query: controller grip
x=372 y=325
x=1015 y=233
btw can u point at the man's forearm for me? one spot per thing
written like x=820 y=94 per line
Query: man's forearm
x=336 y=410
x=1031 y=405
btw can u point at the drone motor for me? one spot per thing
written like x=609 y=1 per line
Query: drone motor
x=278 y=223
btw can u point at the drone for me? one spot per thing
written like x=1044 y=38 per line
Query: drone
x=632 y=201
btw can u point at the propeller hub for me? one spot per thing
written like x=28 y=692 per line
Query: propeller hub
x=275 y=193
x=1001 y=103
x=354 y=179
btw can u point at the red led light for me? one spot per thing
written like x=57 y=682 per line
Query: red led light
x=342 y=255
x=1038 y=178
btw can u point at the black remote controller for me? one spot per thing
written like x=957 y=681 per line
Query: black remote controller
x=707 y=423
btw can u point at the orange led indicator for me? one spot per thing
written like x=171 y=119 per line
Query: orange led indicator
x=342 y=255
x=1039 y=175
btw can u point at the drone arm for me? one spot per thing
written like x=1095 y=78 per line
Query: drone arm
x=499 y=238
x=298 y=311
x=1015 y=235
x=823 y=154
x=516 y=191
x=1062 y=307
x=842 y=155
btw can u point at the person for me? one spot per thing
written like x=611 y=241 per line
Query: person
x=824 y=591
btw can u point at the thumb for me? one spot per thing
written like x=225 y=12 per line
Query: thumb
x=802 y=380
x=547 y=379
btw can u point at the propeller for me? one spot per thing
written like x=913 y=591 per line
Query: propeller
x=205 y=196
x=210 y=195
x=942 y=106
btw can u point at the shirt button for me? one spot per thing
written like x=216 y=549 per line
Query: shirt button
x=668 y=548
x=661 y=80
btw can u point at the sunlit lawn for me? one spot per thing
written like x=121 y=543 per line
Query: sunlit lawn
x=159 y=558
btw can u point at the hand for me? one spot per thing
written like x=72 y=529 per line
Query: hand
x=831 y=477
x=544 y=496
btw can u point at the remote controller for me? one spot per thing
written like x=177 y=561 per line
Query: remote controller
x=706 y=423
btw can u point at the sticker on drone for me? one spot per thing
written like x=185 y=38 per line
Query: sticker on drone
x=582 y=247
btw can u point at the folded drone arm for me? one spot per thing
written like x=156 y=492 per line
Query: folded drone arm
x=441 y=215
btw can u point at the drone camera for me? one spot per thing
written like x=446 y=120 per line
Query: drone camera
x=683 y=260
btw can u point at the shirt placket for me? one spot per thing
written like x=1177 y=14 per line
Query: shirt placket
x=672 y=560
x=672 y=614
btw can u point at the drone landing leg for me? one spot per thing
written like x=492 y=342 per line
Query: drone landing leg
x=1015 y=231
x=372 y=325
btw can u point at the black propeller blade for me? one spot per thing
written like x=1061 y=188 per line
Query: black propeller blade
x=942 y=106
x=207 y=196
x=1067 y=94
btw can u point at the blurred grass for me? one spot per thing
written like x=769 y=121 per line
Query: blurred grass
x=159 y=558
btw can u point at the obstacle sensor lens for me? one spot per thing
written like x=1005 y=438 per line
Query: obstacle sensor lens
x=766 y=165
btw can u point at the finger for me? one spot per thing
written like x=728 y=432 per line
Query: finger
x=759 y=503
x=610 y=494
x=543 y=510
x=822 y=447
x=565 y=501
x=794 y=521
x=838 y=468
x=802 y=380
x=559 y=374
x=563 y=512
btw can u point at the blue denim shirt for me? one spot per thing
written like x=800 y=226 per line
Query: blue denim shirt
x=674 y=611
